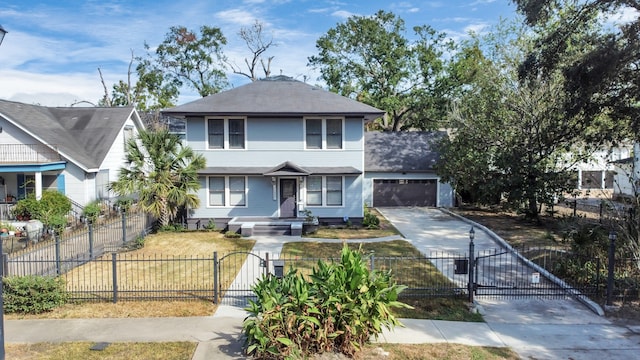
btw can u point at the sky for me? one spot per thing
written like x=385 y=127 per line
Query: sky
x=53 y=49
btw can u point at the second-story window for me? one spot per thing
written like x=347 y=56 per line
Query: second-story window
x=226 y=133
x=323 y=133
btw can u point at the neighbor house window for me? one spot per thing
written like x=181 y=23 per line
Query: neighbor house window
x=314 y=190
x=102 y=184
x=325 y=190
x=227 y=191
x=334 y=190
x=323 y=133
x=225 y=133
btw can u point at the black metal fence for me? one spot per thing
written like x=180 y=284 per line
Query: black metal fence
x=228 y=278
x=54 y=255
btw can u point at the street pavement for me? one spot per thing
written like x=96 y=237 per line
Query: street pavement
x=534 y=328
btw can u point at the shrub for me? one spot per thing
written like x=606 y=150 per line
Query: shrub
x=338 y=309
x=231 y=235
x=211 y=225
x=33 y=294
x=92 y=210
x=370 y=221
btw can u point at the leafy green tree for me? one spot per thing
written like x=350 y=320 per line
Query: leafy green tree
x=161 y=172
x=192 y=59
x=371 y=59
x=601 y=69
x=512 y=138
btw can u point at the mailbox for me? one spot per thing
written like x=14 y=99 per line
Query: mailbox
x=461 y=266
x=278 y=268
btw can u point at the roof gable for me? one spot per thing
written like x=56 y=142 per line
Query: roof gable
x=83 y=134
x=276 y=96
x=402 y=151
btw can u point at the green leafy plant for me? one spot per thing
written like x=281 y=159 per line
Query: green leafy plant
x=211 y=225
x=33 y=294
x=370 y=221
x=92 y=211
x=231 y=235
x=338 y=308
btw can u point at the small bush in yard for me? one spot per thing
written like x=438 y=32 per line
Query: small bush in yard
x=33 y=294
x=338 y=309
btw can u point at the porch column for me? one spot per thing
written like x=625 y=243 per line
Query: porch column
x=38 y=177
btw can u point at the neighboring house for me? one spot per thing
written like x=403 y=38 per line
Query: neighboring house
x=626 y=174
x=606 y=174
x=399 y=170
x=276 y=148
x=75 y=150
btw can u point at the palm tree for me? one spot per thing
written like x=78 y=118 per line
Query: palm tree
x=161 y=172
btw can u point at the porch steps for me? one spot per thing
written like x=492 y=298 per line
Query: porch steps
x=253 y=226
x=272 y=230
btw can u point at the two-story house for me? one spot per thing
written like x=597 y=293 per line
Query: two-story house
x=75 y=150
x=276 y=148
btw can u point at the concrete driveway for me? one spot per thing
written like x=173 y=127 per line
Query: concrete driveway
x=535 y=328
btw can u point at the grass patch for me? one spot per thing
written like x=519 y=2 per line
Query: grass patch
x=82 y=351
x=123 y=309
x=434 y=351
x=409 y=268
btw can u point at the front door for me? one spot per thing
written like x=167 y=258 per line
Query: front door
x=287 y=198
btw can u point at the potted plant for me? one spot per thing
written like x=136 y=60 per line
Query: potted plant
x=311 y=223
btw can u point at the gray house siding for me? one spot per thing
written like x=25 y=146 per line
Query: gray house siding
x=272 y=141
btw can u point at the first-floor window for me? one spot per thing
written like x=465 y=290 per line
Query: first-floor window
x=325 y=190
x=236 y=191
x=216 y=191
x=314 y=190
x=227 y=191
x=334 y=190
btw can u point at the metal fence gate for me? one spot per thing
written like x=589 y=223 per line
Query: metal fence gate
x=501 y=273
x=232 y=286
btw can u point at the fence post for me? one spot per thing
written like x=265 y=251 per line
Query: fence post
x=5 y=265
x=90 y=226
x=124 y=226
x=373 y=261
x=612 y=262
x=215 y=277
x=57 y=240
x=114 y=270
x=471 y=287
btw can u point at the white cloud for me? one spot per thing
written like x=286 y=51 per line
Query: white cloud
x=342 y=14
x=51 y=89
x=237 y=17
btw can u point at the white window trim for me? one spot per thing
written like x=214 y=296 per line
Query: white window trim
x=227 y=192
x=324 y=131
x=226 y=132
x=324 y=193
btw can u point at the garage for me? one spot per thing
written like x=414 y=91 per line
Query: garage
x=405 y=192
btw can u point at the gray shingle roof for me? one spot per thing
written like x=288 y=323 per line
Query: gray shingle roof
x=276 y=96
x=403 y=151
x=83 y=134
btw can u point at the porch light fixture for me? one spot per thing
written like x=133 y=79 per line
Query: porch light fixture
x=273 y=180
x=3 y=32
